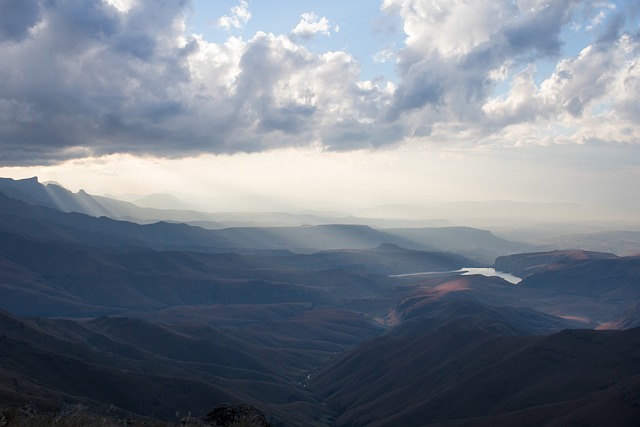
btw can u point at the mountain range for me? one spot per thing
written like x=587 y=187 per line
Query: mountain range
x=312 y=324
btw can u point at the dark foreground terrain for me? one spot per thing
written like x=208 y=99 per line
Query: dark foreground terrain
x=107 y=322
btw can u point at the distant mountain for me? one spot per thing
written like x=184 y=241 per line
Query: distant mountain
x=52 y=224
x=522 y=265
x=54 y=196
x=622 y=242
x=481 y=245
x=387 y=259
x=51 y=195
x=162 y=201
x=166 y=207
x=489 y=213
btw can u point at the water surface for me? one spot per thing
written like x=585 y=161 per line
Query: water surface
x=467 y=271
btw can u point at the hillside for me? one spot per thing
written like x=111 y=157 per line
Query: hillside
x=522 y=265
x=473 y=370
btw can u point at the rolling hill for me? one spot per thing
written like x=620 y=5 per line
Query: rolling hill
x=462 y=363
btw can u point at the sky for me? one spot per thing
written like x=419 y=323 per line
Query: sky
x=325 y=104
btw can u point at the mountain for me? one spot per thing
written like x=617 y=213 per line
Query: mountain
x=166 y=207
x=525 y=264
x=480 y=245
x=60 y=279
x=158 y=370
x=51 y=224
x=488 y=299
x=606 y=279
x=621 y=241
x=162 y=201
x=29 y=198
x=47 y=223
x=387 y=259
x=465 y=365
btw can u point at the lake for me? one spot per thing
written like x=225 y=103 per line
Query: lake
x=466 y=271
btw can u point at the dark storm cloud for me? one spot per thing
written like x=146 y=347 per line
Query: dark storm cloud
x=92 y=80
x=291 y=119
x=539 y=32
x=81 y=78
x=17 y=17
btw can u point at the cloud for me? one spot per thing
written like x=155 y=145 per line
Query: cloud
x=239 y=17
x=124 y=77
x=387 y=54
x=17 y=18
x=453 y=48
x=131 y=81
x=310 y=25
x=456 y=54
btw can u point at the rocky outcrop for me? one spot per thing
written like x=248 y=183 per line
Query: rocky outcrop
x=236 y=415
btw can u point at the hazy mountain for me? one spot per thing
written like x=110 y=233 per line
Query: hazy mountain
x=481 y=245
x=53 y=195
x=51 y=224
x=488 y=213
x=166 y=207
x=621 y=242
x=162 y=201
x=522 y=265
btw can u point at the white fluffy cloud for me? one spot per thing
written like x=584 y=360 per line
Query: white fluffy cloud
x=311 y=24
x=91 y=77
x=457 y=53
x=239 y=16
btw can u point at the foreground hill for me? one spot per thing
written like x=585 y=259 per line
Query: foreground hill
x=598 y=288
x=473 y=369
x=158 y=371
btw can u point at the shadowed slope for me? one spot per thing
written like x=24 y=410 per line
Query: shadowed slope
x=459 y=364
x=157 y=369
